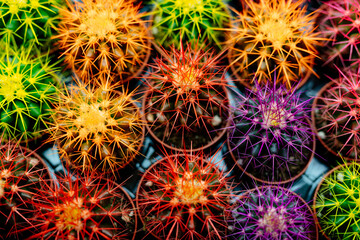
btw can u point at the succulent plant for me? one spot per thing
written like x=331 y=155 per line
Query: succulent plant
x=337 y=203
x=186 y=102
x=29 y=21
x=184 y=197
x=180 y=21
x=21 y=172
x=273 y=36
x=28 y=87
x=97 y=127
x=89 y=207
x=339 y=25
x=103 y=37
x=271 y=212
x=336 y=114
x=270 y=136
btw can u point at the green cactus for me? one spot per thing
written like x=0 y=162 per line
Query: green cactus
x=193 y=21
x=337 y=203
x=24 y=22
x=28 y=87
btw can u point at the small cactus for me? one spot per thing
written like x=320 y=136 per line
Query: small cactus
x=28 y=22
x=191 y=21
x=336 y=113
x=339 y=24
x=184 y=197
x=103 y=37
x=28 y=87
x=186 y=102
x=21 y=172
x=271 y=212
x=97 y=128
x=88 y=207
x=270 y=136
x=337 y=203
x=274 y=36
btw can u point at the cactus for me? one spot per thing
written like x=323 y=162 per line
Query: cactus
x=89 y=207
x=270 y=134
x=199 y=21
x=271 y=212
x=339 y=24
x=28 y=87
x=103 y=37
x=337 y=203
x=186 y=101
x=184 y=197
x=274 y=35
x=20 y=173
x=336 y=114
x=97 y=128
x=28 y=22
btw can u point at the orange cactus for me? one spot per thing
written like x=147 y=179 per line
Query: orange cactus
x=103 y=37
x=274 y=36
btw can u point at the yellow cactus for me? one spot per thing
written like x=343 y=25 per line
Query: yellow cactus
x=274 y=36
x=97 y=128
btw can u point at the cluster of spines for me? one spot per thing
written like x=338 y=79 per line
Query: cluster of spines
x=97 y=128
x=184 y=197
x=28 y=88
x=199 y=21
x=103 y=37
x=336 y=114
x=21 y=174
x=337 y=203
x=186 y=97
x=339 y=24
x=270 y=133
x=27 y=22
x=271 y=212
x=88 y=207
x=274 y=36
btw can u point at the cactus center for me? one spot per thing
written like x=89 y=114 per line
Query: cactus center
x=189 y=190
x=69 y=216
x=273 y=117
x=12 y=87
x=92 y=118
x=186 y=78
x=276 y=31
x=99 y=23
x=188 y=4
x=273 y=222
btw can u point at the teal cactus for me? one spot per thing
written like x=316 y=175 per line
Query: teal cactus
x=28 y=21
x=193 y=21
x=337 y=203
x=28 y=87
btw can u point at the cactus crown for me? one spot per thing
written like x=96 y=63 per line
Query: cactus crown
x=186 y=97
x=28 y=21
x=97 y=128
x=270 y=133
x=339 y=23
x=274 y=35
x=199 y=21
x=20 y=175
x=271 y=212
x=28 y=88
x=184 y=197
x=338 y=203
x=103 y=37
x=337 y=113
x=83 y=208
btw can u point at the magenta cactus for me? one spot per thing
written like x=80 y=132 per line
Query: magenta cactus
x=271 y=212
x=270 y=135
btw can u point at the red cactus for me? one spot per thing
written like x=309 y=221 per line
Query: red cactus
x=186 y=100
x=20 y=172
x=337 y=114
x=184 y=197
x=83 y=208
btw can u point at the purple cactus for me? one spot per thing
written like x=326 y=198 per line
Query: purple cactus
x=271 y=212
x=270 y=136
